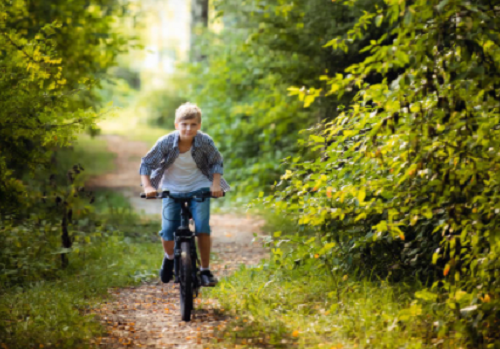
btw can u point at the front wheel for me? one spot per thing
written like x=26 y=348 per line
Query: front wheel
x=186 y=281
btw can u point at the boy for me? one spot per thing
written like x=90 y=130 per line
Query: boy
x=184 y=162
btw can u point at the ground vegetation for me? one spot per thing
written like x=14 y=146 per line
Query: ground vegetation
x=405 y=185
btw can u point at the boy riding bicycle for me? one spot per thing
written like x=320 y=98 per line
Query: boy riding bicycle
x=184 y=162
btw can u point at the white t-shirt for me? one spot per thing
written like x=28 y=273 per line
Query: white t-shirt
x=184 y=176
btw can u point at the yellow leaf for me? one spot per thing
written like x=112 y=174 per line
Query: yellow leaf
x=361 y=195
x=345 y=277
x=295 y=333
x=287 y=174
x=329 y=192
x=486 y=298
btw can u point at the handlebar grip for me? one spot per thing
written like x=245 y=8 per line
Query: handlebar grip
x=156 y=196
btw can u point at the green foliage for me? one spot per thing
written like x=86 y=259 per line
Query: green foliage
x=241 y=87
x=53 y=54
x=408 y=181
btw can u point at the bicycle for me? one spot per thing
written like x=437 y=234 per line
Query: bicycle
x=186 y=260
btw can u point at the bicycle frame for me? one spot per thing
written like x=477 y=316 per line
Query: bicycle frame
x=183 y=233
x=182 y=236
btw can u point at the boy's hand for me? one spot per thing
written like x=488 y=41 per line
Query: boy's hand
x=216 y=190
x=150 y=191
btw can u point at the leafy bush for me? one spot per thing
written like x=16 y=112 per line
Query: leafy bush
x=408 y=183
x=53 y=54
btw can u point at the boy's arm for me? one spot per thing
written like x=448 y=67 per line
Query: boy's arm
x=216 y=189
x=150 y=162
x=153 y=158
x=148 y=188
x=216 y=168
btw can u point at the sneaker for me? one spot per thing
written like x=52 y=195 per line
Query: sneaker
x=208 y=279
x=167 y=270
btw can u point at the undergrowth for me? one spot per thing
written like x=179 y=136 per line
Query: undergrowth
x=57 y=313
x=44 y=304
x=311 y=309
x=91 y=153
x=55 y=310
x=291 y=303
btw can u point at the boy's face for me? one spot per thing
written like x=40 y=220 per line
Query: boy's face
x=188 y=128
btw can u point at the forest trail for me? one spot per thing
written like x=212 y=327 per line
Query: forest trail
x=147 y=316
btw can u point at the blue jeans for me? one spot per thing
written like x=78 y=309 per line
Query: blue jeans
x=171 y=214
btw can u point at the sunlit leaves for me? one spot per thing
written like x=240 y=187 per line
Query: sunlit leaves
x=413 y=161
x=49 y=70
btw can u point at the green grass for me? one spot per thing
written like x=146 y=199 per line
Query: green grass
x=108 y=200
x=56 y=313
x=310 y=309
x=286 y=304
x=91 y=153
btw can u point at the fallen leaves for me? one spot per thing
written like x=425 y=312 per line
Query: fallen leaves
x=149 y=315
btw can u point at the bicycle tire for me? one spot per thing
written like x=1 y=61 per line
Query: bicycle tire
x=186 y=281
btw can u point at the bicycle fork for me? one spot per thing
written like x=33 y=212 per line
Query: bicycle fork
x=185 y=235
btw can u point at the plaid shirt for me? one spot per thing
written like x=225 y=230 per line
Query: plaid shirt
x=166 y=150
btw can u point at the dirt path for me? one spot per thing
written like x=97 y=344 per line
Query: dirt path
x=147 y=316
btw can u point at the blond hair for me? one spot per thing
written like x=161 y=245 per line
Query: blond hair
x=188 y=111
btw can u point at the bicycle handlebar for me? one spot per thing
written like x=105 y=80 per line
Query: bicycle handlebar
x=166 y=194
